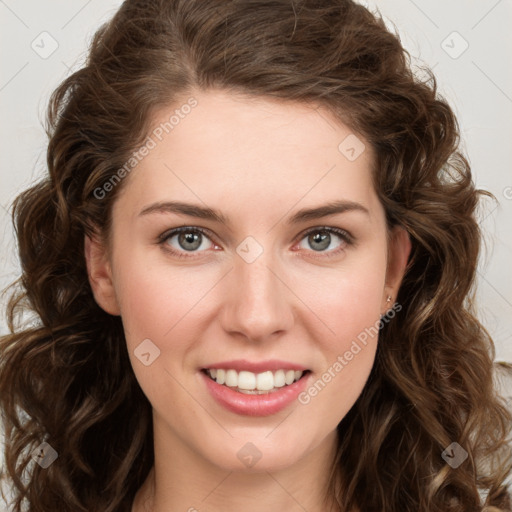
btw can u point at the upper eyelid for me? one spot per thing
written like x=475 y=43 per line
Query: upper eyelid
x=337 y=231
x=175 y=231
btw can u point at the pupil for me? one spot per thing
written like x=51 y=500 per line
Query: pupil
x=190 y=238
x=323 y=239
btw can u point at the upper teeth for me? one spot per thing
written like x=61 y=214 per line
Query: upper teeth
x=248 y=380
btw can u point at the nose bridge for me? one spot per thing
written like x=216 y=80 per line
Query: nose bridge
x=258 y=302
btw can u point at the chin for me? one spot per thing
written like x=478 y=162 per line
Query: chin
x=257 y=455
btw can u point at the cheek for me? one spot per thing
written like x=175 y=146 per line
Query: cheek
x=352 y=313
x=352 y=316
x=145 y=308
x=350 y=306
x=350 y=300
x=152 y=300
x=159 y=307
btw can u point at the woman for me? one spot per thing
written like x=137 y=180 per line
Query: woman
x=252 y=260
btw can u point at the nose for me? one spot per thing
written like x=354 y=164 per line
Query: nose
x=258 y=303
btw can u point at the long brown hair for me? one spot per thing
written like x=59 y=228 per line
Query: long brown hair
x=65 y=375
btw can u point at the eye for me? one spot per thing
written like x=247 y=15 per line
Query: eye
x=320 y=239
x=193 y=240
x=187 y=239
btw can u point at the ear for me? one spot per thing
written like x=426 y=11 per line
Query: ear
x=399 y=248
x=99 y=272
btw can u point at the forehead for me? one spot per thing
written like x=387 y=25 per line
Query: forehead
x=250 y=155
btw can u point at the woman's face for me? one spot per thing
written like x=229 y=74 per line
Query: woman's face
x=270 y=288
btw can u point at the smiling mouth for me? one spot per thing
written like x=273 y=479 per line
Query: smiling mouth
x=255 y=384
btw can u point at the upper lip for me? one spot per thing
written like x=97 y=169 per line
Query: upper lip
x=256 y=366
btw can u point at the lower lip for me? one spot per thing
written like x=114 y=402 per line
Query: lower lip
x=255 y=405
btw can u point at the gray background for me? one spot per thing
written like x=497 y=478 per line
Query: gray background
x=466 y=42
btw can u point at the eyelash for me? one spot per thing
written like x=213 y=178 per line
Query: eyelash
x=164 y=237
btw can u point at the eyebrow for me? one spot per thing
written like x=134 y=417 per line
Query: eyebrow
x=202 y=212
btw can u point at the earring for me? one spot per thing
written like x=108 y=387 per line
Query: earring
x=388 y=300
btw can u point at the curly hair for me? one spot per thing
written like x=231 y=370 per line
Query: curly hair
x=65 y=375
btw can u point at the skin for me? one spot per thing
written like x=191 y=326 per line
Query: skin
x=258 y=161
